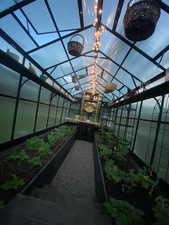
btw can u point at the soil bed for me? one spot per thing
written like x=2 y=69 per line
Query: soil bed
x=20 y=167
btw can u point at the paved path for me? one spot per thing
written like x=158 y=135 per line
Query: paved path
x=76 y=175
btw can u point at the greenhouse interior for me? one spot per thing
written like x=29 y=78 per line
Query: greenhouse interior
x=84 y=112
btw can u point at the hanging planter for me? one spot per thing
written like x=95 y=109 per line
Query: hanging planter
x=43 y=77
x=32 y=69
x=140 y=19
x=82 y=76
x=75 y=48
x=90 y=107
x=110 y=87
x=74 y=78
x=77 y=88
x=13 y=55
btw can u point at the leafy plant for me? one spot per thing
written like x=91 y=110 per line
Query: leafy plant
x=141 y=179
x=109 y=138
x=38 y=145
x=36 y=161
x=124 y=213
x=161 y=211
x=121 y=151
x=113 y=173
x=104 y=151
x=21 y=155
x=13 y=184
x=34 y=143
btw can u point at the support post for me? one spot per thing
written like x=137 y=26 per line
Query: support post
x=138 y=121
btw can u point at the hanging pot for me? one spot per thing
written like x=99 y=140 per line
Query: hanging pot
x=43 y=77
x=75 y=48
x=89 y=107
x=13 y=55
x=110 y=87
x=82 y=76
x=74 y=78
x=140 y=19
x=77 y=88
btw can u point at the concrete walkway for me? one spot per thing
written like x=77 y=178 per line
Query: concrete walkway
x=76 y=175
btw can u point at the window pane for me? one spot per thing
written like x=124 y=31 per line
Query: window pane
x=7 y=106
x=25 y=118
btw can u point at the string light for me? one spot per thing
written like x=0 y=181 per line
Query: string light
x=97 y=43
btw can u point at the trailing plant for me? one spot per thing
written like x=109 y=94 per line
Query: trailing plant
x=104 y=152
x=124 y=213
x=161 y=211
x=13 y=183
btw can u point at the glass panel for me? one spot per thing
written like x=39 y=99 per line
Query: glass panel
x=66 y=16
x=88 y=12
x=5 y=4
x=25 y=118
x=7 y=106
x=161 y=159
x=29 y=90
x=140 y=66
x=50 y=55
x=13 y=29
x=146 y=130
x=42 y=117
x=52 y=114
x=109 y=10
x=5 y=47
x=45 y=95
x=42 y=22
x=62 y=70
x=9 y=81
x=125 y=78
x=113 y=47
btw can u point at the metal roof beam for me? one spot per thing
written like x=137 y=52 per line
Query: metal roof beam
x=121 y=66
x=68 y=60
x=15 y=7
x=80 y=7
x=60 y=38
x=118 y=12
x=75 y=71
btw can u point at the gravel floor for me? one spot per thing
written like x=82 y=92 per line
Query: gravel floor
x=76 y=175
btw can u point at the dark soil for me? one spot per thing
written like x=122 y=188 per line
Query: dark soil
x=138 y=197
x=22 y=170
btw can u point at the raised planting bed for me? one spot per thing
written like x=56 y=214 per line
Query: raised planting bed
x=36 y=163
x=134 y=196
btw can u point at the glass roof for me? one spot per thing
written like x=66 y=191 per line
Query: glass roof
x=43 y=28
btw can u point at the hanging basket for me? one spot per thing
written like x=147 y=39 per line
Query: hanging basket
x=43 y=77
x=90 y=107
x=74 y=78
x=140 y=19
x=82 y=76
x=110 y=87
x=75 y=48
x=77 y=88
